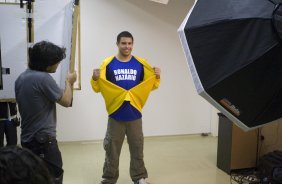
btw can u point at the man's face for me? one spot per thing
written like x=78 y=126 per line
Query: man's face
x=125 y=46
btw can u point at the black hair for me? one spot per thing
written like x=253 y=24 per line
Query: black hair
x=124 y=34
x=21 y=166
x=44 y=54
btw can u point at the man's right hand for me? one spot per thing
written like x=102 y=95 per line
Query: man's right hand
x=71 y=77
x=96 y=74
x=66 y=99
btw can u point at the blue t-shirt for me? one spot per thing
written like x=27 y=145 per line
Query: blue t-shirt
x=126 y=75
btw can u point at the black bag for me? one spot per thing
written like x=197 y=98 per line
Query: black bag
x=270 y=166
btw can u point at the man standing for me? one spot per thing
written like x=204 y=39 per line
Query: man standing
x=8 y=123
x=125 y=82
x=37 y=94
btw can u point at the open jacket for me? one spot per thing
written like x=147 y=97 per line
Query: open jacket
x=114 y=95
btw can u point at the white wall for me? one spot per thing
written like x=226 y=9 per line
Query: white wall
x=174 y=108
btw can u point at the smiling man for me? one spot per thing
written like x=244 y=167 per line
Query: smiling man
x=125 y=82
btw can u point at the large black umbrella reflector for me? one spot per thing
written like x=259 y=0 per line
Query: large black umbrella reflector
x=234 y=52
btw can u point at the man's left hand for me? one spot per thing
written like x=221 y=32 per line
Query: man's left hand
x=157 y=71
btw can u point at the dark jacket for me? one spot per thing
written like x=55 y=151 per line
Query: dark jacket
x=4 y=109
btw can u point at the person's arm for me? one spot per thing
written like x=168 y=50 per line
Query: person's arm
x=157 y=72
x=66 y=99
x=96 y=74
x=94 y=80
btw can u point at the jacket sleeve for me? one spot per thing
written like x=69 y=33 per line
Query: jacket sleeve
x=156 y=84
x=95 y=85
x=149 y=71
x=13 y=108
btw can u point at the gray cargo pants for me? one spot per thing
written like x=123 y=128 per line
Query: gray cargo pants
x=113 y=141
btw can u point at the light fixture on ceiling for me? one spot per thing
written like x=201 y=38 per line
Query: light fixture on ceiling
x=161 y=1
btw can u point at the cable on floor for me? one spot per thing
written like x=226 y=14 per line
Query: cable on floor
x=246 y=176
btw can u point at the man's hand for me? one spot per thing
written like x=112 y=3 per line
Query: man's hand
x=71 y=78
x=66 y=99
x=96 y=74
x=157 y=71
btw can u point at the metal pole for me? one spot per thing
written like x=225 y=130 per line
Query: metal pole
x=29 y=11
x=1 y=80
x=30 y=20
x=21 y=3
x=2 y=70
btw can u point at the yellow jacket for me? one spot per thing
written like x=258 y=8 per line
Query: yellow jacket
x=114 y=95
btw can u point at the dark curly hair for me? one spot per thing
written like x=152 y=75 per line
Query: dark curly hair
x=21 y=166
x=44 y=54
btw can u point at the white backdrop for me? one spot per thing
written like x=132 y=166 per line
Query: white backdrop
x=175 y=108
x=52 y=22
x=13 y=45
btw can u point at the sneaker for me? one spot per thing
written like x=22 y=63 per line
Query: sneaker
x=104 y=181
x=141 y=181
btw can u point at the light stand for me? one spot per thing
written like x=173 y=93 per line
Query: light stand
x=2 y=70
x=29 y=11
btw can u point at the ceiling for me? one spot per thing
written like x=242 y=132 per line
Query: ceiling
x=161 y=1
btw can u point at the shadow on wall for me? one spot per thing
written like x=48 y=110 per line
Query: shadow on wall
x=165 y=12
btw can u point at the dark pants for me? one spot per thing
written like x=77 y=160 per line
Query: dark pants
x=113 y=141
x=10 y=130
x=50 y=153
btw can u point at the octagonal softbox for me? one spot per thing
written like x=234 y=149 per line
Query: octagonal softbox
x=234 y=54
